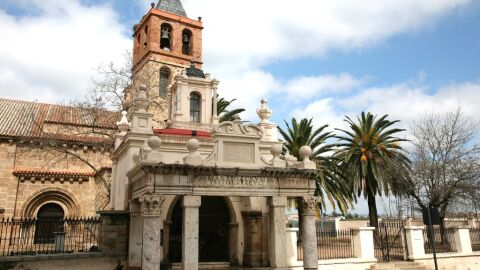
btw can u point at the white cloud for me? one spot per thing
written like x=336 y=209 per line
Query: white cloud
x=240 y=36
x=401 y=102
x=310 y=86
x=51 y=56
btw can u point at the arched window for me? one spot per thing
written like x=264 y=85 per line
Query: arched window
x=49 y=221
x=146 y=36
x=164 y=76
x=195 y=107
x=186 y=42
x=166 y=36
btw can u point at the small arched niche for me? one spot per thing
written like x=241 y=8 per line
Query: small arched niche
x=164 y=80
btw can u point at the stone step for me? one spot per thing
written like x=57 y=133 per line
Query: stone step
x=399 y=266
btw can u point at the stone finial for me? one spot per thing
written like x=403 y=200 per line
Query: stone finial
x=305 y=152
x=264 y=111
x=193 y=157
x=276 y=150
x=192 y=146
x=141 y=100
x=154 y=142
x=123 y=125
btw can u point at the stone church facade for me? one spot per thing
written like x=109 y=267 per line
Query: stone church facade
x=198 y=194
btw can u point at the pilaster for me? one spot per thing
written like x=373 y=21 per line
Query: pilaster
x=415 y=241
x=363 y=242
x=252 y=255
x=462 y=239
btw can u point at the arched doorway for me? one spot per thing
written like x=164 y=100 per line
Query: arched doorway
x=213 y=235
x=49 y=220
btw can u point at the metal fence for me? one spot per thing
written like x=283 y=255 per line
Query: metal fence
x=26 y=236
x=444 y=242
x=389 y=241
x=332 y=244
x=475 y=239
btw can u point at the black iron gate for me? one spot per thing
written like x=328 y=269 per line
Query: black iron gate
x=390 y=241
x=213 y=231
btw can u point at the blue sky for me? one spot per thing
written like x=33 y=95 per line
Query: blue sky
x=320 y=59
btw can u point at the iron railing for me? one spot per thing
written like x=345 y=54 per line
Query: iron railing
x=475 y=239
x=28 y=236
x=444 y=242
x=389 y=241
x=331 y=244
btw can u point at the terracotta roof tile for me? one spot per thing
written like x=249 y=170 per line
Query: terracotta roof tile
x=26 y=119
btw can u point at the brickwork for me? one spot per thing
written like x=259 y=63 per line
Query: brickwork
x=147 y=40
x=22 y=195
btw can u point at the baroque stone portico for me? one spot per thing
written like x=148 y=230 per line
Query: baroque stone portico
x=200 y=193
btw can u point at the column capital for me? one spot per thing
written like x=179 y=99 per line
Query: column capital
x=277 y=201
x=309 y=206
x=191 y=201
x=151 y=204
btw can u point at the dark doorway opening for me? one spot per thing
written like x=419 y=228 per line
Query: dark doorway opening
x=49 y=221
x=213 y=231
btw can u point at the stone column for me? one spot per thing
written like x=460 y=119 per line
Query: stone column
x=292 y=250
x=277 y=237
x=151 y=205
x=363 y=242
x=462 y=239
x=252 y=254
x=190 y=229
x=415 y=241
x=309 y=233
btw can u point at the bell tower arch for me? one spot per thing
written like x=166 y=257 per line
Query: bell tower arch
x=165 y=43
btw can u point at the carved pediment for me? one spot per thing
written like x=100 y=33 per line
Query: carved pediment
x=237 y=129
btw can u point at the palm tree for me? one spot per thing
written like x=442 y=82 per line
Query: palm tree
x=223 y=112
x=371 y=158
x=331 y=185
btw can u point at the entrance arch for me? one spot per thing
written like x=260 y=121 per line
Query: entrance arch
x=214 y=229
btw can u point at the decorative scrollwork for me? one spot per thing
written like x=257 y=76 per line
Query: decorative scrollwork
x=229 y=127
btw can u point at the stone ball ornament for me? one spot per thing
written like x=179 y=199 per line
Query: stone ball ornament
x=193 y=145
x=154 y=142
x=305 y=152
x=276 y=150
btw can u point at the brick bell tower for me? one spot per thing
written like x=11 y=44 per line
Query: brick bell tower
x=166 y=42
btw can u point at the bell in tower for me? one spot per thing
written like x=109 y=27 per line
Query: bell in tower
x=165 y=40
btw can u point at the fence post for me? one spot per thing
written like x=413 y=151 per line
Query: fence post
x=292 y=250
x=362 y=238
x=462 y=239
x=415 y=242
x=472 y=222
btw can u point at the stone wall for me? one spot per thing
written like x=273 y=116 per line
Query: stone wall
x=114 y=232
x=18 y=194
x=63 y=261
